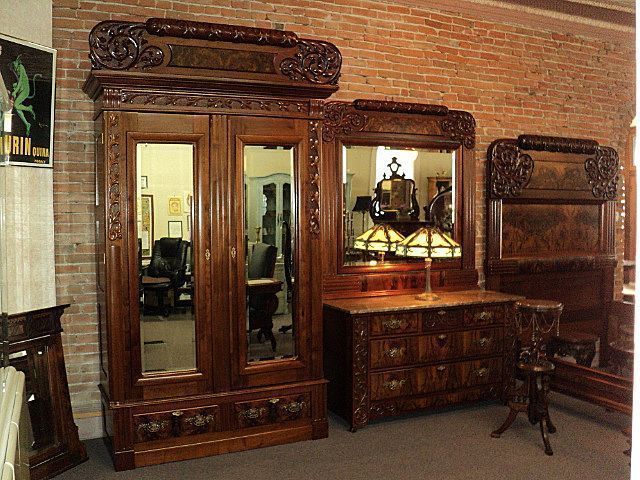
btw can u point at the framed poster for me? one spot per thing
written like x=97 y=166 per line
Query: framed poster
x=27 y=93
x=146 y=227
x=175 y=229
x=175 y=206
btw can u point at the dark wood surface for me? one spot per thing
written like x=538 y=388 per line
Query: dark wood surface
x=551 y=235
x=382 y=359
x=217 y=87
x=34 y=339
x=373 y=123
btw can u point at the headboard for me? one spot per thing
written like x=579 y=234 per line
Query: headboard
x=551 y=224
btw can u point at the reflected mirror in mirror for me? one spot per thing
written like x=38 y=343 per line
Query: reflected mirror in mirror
x=164 y=199
x=270 y=225
x=402 y=188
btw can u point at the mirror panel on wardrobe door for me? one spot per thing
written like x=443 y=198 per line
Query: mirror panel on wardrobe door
x=164 y=199
x=269 y=235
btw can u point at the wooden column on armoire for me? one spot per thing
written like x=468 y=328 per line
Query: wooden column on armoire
x=551 y=224
x=230 y=97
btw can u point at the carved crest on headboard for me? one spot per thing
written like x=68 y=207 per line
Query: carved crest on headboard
x=512 y=168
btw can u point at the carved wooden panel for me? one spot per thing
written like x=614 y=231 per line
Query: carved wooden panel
x=314 y=178
x=556 y=230
x=559 y=176
x=272 y=410
x=113 y=173
x=177 y=423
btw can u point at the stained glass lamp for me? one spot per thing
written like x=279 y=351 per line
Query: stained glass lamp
x=380 y=238
x=428 y=242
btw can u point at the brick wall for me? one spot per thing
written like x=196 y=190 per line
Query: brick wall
x=513 y=79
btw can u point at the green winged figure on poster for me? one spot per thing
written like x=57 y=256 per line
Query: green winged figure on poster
x=21 y=92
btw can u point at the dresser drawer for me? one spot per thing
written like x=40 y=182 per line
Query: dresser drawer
x=484 y=315
x=435 y=378
x=393 y=324
x=442 y=318
x=272 y=410
x=176 y=423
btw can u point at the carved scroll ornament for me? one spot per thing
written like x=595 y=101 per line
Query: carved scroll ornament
x=602 y=172
x=557 y=144
x=113 y=165
x=460 y=126
x=360 y=373
x=341 y=119
x=400 y=107
x=316 y=61
x=120 y=46
x=510 y=169
x=314 y=176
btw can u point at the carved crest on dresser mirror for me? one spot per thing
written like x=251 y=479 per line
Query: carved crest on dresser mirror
x=213 y=344
x=551 y=235
x=395 y=157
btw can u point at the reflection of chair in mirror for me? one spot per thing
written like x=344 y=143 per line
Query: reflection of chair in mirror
x=166 y=273
x=439 y=210
x=261 y=291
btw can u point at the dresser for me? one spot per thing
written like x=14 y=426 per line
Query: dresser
x=389 y=355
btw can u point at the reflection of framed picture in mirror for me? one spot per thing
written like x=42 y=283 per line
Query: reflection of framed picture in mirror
x=435 y=185
x=144 y=182
x=175 y=229
x=146 y=224
x=175 y=206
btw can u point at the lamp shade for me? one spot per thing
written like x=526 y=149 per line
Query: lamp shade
x=379 y=238
x=362 y=204
x=429 y=242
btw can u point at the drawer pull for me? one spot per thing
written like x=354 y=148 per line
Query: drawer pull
x=481 y=372
x=253 y=413
x=294 y=407
x=442 y=312
x=200 y=420
x=394 y=384
x=394 y=352
x=153 y=427
x=484 y=341
x=392 y=323
x=441 y=368
x=485 y=315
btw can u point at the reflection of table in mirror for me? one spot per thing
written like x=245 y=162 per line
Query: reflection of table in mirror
x=35 y=348
x=262 y=301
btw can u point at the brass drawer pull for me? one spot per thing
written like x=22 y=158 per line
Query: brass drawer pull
x=481 y=372
x=154 y=426
x=394 y=384
x=392 y=324
x=200 y=420
x=253 y=413
x=485 y=315
x=442 y=312
x=441 y=368
x=294 y=407
x=442 y=337
x=484 y=341
x=394 y=352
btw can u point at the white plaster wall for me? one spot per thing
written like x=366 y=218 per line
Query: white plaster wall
x=27 y=193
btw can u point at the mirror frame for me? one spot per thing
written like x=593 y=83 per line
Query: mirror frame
x=396 y=124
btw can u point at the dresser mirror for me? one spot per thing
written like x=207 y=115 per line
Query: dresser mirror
x=164 y=207
x=399 y=187
x=269 y=225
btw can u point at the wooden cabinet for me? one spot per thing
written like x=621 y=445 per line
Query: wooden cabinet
x=388 y=355
x=188 y=113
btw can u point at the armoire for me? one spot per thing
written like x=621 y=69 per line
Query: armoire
x=186 y=115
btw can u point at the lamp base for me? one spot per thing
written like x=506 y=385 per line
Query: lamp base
x=429 y=297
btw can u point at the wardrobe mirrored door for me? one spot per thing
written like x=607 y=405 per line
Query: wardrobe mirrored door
x=166 y=277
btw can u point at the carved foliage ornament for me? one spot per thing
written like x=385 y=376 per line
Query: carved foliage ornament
x=120 y=46
x=461 y=126
x=510 y=169
x=360 y=373
x=557 y=144
x=316 y=61
x=602 y=172
x=341 y=119
x=314 y=176
x=113 y=165
x=400 y=107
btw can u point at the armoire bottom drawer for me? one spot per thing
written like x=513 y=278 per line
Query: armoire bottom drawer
x=272 y=410
x=176 y=423
x=435 y=378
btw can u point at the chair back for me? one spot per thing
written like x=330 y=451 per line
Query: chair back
x=262 y=263
x=169 y=259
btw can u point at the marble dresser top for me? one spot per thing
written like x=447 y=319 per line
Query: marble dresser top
x=393 y=303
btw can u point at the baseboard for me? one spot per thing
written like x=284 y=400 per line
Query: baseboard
x=89 y=425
